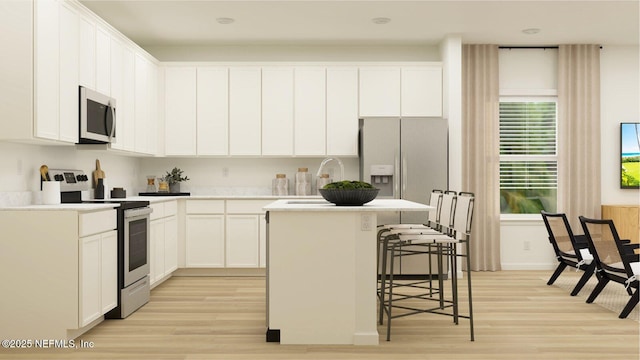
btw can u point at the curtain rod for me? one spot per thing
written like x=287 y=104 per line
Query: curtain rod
x=527 y=47
x=531 y=47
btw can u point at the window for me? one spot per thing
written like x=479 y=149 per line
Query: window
x=528 y=155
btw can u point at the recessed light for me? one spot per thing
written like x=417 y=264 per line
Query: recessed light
x=381 y=20
x=531 y=31
x=224 y=20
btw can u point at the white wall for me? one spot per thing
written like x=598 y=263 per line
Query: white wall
x=241 y=176
x=620 y=94
x=20 y=165
x=294 y=53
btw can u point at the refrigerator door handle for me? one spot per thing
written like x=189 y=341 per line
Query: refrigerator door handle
x=396 y=174
x=404 y=174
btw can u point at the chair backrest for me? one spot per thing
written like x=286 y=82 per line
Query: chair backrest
x=464 y=214
x=447 y=210
x=605 y=245
x=435 y=200
x=560 y=234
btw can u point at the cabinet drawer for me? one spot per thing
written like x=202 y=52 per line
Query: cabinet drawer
x=246 y=206
x=170 y=208
x=97 y=222
x=158 y=211
x=205 y=207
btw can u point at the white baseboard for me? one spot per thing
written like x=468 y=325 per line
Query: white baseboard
x=528 y=266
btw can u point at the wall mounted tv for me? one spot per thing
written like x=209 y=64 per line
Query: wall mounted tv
x=630 y=155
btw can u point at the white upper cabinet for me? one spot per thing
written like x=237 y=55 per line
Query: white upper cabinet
x=310 y=111
x=212 y=111
x=117 y=91
x=245 y=111
x=379 y=91
x=342 y=111
x=421 y=91
x=103 y=61
x=180 y=110
x=141 y=97
x=47 y=50
x=126 y=131
x=69 y=54
x=56 y=71
x=87 y=53
x=277 y=111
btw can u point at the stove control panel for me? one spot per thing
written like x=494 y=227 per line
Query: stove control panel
x=70 y=180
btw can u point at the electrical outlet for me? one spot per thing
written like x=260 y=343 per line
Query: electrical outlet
x=366 y=222
x=526 y=245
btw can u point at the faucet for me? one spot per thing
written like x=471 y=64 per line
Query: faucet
x=325 y=161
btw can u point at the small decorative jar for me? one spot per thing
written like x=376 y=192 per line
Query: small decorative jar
x=303 y=182
x=323 y=180
x=280 y=185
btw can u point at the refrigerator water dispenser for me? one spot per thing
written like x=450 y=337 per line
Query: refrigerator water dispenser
x=382 y=178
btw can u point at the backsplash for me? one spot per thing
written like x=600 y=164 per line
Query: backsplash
x=20 y=177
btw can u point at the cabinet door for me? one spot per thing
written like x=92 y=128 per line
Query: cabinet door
x=69 y=55
x=310 y=111
x=242 y=240
x=152 y=108
x=170 y=245
x=244 y=111
x=141 y=96
x=157 y=250
x=263 y=242
x=90 y=279
x=342 y=111
x=180 y=110
x=421 y=91
x=277 y=111
x=212 y=111
x=87 y=64
x=205 y=241
x=126 y=130
x=109 y=268
x=103 y=61
x=47 y=60
x=117 y=90
x=379 y=91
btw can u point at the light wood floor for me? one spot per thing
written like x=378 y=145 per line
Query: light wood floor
x=517 y=317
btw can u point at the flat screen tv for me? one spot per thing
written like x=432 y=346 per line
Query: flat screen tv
x=630 y=155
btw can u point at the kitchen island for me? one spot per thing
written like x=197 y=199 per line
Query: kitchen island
x=321 y=270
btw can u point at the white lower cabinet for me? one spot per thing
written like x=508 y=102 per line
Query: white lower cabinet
x=242 y=245
x=204 y=233
x=164 y=241
x=98 y=275
x=225 y=233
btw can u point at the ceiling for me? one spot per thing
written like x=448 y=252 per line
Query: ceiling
x=302 y=22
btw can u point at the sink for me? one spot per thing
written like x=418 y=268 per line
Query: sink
x=308 y=202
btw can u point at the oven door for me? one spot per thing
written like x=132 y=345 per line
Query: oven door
x=136 y=244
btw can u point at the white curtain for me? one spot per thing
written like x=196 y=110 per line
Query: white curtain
x=579 y=132
x=480 y=151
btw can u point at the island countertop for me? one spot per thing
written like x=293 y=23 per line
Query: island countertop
x=377 y=205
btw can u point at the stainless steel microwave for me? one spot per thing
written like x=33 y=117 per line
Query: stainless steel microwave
x=97 y=117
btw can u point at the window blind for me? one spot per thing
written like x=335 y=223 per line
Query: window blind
x=528 y=128
x=516 y=175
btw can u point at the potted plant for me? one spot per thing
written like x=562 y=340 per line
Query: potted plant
x=174 y=178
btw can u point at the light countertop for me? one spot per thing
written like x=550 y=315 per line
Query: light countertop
x=377 y=205
x=62 y=207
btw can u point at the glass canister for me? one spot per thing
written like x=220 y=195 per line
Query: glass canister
x=280 y=185
x=323 y=180
x=303 y=182
x=151 y=183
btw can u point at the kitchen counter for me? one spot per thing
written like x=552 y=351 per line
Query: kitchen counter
x=62 y=207
x=377 y=205
x=321 y=270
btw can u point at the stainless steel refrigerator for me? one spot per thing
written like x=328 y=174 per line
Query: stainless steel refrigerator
x=405 y=158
